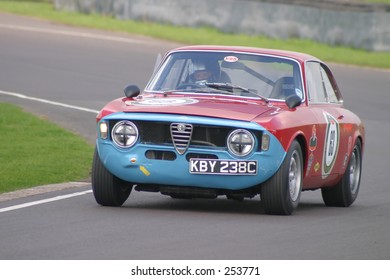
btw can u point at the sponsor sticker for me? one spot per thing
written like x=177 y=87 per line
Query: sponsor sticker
x=312 y=148
x=159 y=102
x=230 y=58
x=313 y=139
x=316 y=166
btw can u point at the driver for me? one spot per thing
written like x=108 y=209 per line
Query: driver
x=205 y=71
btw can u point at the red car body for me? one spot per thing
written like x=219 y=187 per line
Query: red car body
x=321 y=141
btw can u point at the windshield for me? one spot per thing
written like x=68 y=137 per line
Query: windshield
x=243 y=74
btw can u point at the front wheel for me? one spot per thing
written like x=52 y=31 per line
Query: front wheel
x=108 y=189
x=280 y=195
x=346 y=191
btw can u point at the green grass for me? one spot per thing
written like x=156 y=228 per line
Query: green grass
x=205 y=35
x=36 y=152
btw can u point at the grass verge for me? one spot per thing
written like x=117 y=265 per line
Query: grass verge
x=35 y=151
x=205 y=35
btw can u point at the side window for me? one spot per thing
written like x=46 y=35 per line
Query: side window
x=169 y=76
x=173 y=77
x=315 y=85
x=329 y=88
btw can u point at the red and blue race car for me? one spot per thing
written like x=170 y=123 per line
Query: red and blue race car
x=233 y=121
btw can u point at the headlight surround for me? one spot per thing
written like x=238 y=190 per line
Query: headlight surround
x=240 y=142
x=124 y=134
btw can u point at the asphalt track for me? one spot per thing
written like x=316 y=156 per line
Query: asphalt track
x=46 y=67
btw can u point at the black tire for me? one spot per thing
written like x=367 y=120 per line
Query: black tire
x=280 y=195
x=108 y=189
x=346 y=191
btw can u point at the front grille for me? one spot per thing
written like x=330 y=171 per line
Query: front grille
x=160 y=155
x=201 y=136
x=181 y=136
x=198 y=155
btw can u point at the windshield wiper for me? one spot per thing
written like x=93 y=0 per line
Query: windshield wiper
x=230 y=88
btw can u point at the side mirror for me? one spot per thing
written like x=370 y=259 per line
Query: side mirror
x=293 y=101
x=131 y=91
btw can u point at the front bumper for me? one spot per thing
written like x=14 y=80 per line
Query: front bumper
x=133 y=164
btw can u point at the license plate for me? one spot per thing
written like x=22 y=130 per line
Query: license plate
x=223 y=167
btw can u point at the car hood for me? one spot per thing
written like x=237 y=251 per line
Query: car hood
x=208 y=106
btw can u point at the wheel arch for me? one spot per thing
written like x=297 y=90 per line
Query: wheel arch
x=303 y=144
x=361 y=140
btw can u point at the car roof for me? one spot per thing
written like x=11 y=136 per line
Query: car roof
x=301 y=57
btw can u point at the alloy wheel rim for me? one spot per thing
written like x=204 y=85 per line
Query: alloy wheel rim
x=294 y=176
x=354 y=171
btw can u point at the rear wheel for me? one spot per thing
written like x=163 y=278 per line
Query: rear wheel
x=280 y=195
x=346 y=191
x=108 y=189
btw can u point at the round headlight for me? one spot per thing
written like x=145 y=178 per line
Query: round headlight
x=240 y=142
x=124 y=134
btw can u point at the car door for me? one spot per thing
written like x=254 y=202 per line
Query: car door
x=346 y=119
x=326 y=157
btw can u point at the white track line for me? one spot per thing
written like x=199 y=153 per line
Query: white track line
x=22 y=96
x=75 y=34
x=29 y=204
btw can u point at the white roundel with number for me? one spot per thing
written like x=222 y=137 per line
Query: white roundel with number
x=331 y=144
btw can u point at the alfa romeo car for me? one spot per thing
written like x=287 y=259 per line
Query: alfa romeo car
x=231 y=121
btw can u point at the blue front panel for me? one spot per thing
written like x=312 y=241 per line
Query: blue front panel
x=133 y=166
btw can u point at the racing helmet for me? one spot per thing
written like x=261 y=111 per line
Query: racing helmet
x=205 y=71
